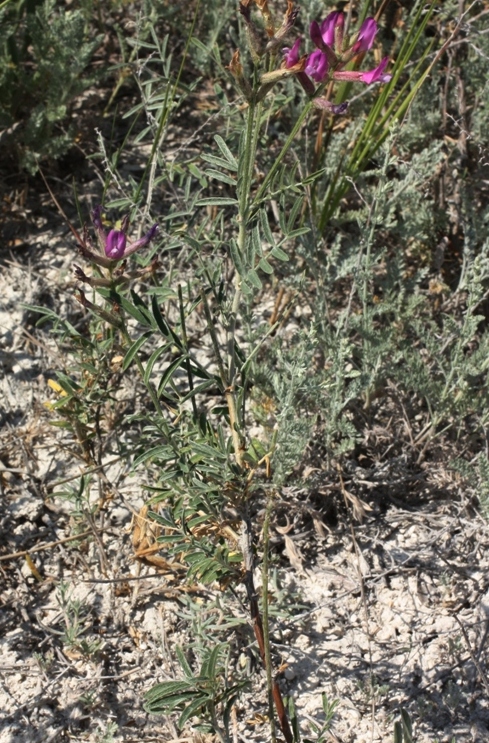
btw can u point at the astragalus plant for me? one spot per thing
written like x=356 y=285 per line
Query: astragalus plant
x=187 y=305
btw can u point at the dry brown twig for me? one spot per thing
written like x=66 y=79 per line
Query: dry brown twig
x=246 y=549
x=48 y=545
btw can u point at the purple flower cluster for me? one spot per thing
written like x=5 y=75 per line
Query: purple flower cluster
x=332 y=54
x=114 y=243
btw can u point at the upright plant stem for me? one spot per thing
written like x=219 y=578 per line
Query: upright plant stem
x=247 y=161
x=273 y=170
x=245 y=216
x=266 y=627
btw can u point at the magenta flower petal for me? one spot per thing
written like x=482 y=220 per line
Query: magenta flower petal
x=142 y=242
x=317 y=66
x=377 y=75
x=291 y=56
x=315 y=34
x=115 y=245
x=332 y=22
x=366 y=36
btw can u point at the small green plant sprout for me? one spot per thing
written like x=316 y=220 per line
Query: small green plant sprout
x=403 y=728
x=76 y=623
x=206 y=695
x=106 y=734
x=319 y=729
x=82 y=510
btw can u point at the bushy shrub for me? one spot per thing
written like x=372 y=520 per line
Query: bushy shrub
x=45 y=55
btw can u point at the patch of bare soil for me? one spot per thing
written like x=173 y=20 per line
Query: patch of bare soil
x=389 y=612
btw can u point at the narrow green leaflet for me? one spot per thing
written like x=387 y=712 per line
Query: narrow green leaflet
x=160 y=322
x=265 y=226
x=210 y=383
x=191 y=710
x=162 y=325
x=226 y=152
x=152 y=360
x=279 y=254
x=219 y=162
x=167 y=690
x=140 y=314
x=197 y=520
x=170 y=371
x=157 y=452
x=166 y=522
x=209 y=668
x=167 y=704
x=265 y=266
x=217 y=201
x=183 y=661
x=256 y=242
x=293 y=214
x=254 y=279
x=131 y=353
x=235 y=256
x=216 y=175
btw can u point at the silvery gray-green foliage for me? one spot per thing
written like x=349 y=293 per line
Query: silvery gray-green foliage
x=399 y=339
x=44 y=56
x=290 y=383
